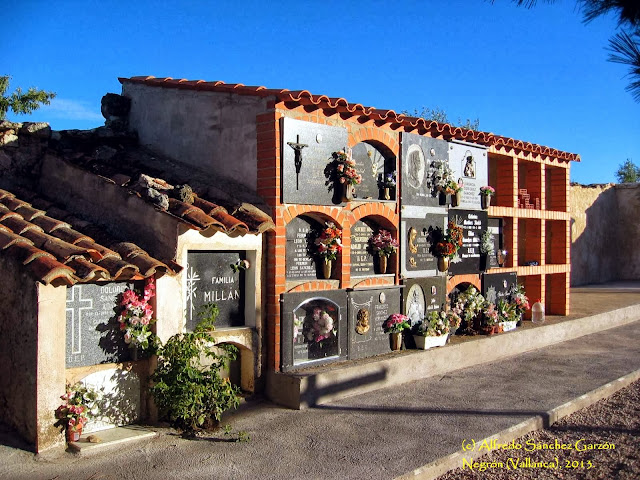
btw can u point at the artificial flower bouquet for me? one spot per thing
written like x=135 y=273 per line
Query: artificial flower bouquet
x=383 y=243
x=136 y=317
x=396 y=323
x=329 y=241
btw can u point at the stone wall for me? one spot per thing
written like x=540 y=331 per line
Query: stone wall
x=628 y=231
x=604 y=233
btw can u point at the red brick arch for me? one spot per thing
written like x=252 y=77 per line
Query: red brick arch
x=458 y=279
x=334 y=214
x=375 y=136
x=387 y=217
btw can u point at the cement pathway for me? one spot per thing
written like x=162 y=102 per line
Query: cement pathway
x=379 y=435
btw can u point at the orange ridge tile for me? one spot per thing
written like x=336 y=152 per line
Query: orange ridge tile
x=304 y=97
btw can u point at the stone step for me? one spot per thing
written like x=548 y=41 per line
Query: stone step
x=110 y=437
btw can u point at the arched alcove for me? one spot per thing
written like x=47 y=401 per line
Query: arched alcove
x=374 y=161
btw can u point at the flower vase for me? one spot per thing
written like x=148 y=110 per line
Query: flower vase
x=348 y=192
x=73 y=434
x=425 y=343
x=455 y=199
x=396 y=341
x=327 y=267
x=133 y=351
x=382 y=263
x=387 y=193
x=443 y=264
x=486 y=201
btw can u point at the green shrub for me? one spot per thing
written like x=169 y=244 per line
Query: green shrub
x=188 y=388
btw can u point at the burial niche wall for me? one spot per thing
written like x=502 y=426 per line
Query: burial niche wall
x=368 y=309
x=374 y=166
x=300 y=261
x=93 y=333
x=314 y=328
x=307 y=155
x=216 y=277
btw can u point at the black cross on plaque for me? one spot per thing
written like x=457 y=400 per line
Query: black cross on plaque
x=297 y=146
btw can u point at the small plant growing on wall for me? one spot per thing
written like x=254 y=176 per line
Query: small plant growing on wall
x=189 y=389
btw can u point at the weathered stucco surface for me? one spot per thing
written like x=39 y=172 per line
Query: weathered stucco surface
x=215 y=132
x=605 y=233
x=31 y=355
x=18 y=349
x=52 y=303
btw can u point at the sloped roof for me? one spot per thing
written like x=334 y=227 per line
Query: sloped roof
x=126 y=164
x=304 y=97
x=57 y=251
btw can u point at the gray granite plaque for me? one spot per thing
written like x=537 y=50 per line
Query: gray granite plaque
x=423 y=295
x=418 y=156
x=416 y=242
x=372 y=165
x=368 y=309
x=210 y=279
x=362 y=260
x=299 y=251
x=473 y=222
x=314 y=328
x=470 y=166
x=93 y=333
x=497 y=286
x=307 y=150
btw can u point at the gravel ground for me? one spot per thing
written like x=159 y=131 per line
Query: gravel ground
x=612 y=421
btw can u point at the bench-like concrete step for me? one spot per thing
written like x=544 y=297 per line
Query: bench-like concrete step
x=328 y=383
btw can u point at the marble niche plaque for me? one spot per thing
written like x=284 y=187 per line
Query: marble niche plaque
x=93 y=333
x=473 y=222
x=300 y=263
x=372 y=165
x=210 y=279
x=497 y=286
x=362 y=260
x=470 y=165
x=423 y=295
x=368 y=309
x=307 y=150
x=416 y=244
x=314 y=328
x=418 y=156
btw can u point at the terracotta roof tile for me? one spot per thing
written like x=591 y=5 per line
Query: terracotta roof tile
x=28 y=212
x=49 y=271
x=70 y=235
x=18 y=225
x=27 y=252
x=304 y=97
x=119 y=268
x=86 y=270
x=63 y=255
x=101 y=249
x=8 y=239
x=49 y=224
x=231 y=223
x=206 y=206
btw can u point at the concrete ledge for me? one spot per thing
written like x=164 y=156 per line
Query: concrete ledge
x=109 y=438
x=303 y=389
x=445 y=464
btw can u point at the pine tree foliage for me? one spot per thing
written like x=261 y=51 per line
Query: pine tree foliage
x=19 y=101
x=628 y=172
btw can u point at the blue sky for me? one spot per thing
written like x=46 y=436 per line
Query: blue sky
x=538 y=75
